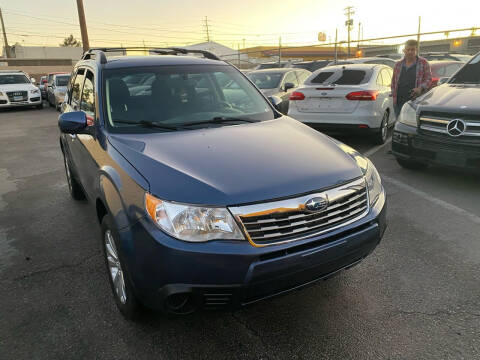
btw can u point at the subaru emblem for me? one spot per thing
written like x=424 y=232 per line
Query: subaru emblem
x=315 y=204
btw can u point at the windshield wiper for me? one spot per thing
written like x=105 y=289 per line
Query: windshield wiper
x=150 y=124
x=218 y=120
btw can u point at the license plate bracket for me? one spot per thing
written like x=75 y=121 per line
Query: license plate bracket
x=18 y=98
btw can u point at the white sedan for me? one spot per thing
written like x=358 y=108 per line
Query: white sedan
x=345 y=98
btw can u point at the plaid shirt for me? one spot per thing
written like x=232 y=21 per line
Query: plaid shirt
x=424 y=76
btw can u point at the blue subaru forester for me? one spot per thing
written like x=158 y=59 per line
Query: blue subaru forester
x=207 y=196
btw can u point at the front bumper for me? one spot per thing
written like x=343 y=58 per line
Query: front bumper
x=32 y=101
x=220 y=274
x=408 y=144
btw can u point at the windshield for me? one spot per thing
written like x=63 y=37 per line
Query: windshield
x=62 y=80
x=13 y=79
x=266 y=80
x=176 y=95
x=469 y=73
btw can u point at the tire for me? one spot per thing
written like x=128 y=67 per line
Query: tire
x=382 y=134
x=74 y=187
x=119 y=279
x=411 y=165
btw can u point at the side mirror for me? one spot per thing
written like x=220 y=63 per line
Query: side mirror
x=74 y=122
x=287 y=86
x=33 y=80
x=276 y=101
x=443 y=80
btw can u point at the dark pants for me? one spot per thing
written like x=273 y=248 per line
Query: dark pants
x=397 y=108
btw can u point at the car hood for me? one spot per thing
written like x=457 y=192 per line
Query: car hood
x=452 y=98
x=237 y=164
x=17 y=87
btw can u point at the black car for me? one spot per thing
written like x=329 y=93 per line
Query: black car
x=311 y=65
x=443 y=126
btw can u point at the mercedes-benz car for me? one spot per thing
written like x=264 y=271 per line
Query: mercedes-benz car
x=17 y=90
x=442 y=127
x=203 y=202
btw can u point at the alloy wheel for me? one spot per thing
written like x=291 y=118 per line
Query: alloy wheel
x=115 y=268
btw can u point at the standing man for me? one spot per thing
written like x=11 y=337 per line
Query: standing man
x=412 y=76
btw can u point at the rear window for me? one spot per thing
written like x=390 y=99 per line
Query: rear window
x=321 y=77
x=342 y=77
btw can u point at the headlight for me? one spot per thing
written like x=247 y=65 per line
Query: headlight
x=35 y=91
x=191 y=222
x=408 y=115
x=374 y=183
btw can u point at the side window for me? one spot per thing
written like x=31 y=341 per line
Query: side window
x=77 y=87
x=302 y=76
x=380 y=78
x=88 y=95
x=70 y=85
x=291 y=78
x=387 y=78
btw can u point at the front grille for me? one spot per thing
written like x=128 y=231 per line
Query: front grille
x=437 y=144
x=289 y=220
x=437 y=122
x=14 y=96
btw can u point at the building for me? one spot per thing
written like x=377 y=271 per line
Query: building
x=301 y=53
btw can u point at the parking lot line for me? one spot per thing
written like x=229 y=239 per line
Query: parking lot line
x=377 y=148
x=432 y=199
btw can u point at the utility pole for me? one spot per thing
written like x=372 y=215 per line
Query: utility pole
x=336 y=49
x=279 y=49
x=83 y=25
x=7 y=48
x=238 y=51
x=349 y=23
x=418 y=36
x=206 y=29
x=358 y=38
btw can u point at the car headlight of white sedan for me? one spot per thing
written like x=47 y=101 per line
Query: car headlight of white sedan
x=35 y=91
x=192 y=223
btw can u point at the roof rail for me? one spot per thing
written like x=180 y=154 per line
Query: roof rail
x=183 y=51
x=99 y=53
x=95 y=54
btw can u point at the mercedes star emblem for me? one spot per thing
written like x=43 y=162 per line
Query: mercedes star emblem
x=456 y=127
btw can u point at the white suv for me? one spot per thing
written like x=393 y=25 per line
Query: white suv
x=17 y=90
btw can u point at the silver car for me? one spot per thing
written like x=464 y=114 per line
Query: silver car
x=278 y=84
x=56 y=90
x=347 y=98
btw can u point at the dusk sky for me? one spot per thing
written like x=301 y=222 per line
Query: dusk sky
x=181 y=22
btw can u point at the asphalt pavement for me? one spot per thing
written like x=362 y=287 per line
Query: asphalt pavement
x=416 y=297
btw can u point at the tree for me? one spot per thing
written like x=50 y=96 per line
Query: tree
x=71 y=41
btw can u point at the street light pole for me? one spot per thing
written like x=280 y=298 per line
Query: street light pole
x=83 y=25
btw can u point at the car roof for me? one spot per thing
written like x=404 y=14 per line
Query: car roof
x=153 y=60
x=275 y=70
x=358 y=66
x=444 y=62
